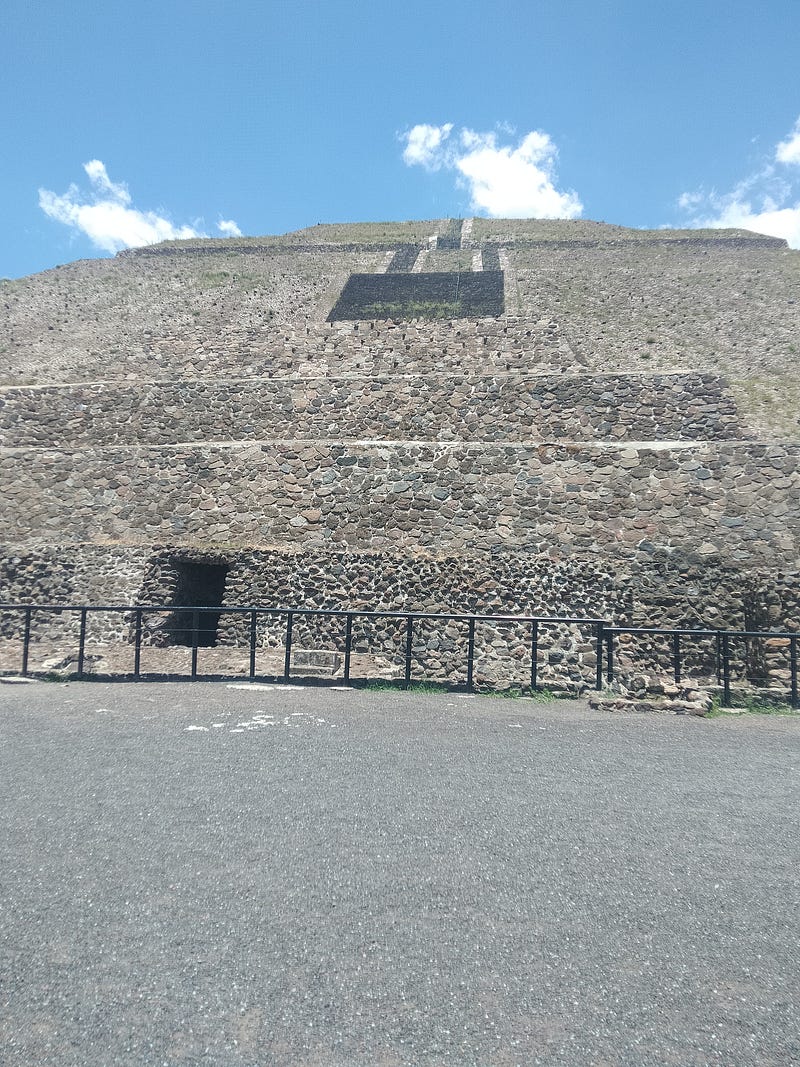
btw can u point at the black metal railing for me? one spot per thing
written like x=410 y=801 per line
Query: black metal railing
x=604 y=638
x=253 y=614
x=722 y=641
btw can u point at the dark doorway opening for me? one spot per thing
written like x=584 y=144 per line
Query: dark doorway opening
x=199 y=585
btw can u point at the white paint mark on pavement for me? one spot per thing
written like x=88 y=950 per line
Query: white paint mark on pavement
x=262 y=719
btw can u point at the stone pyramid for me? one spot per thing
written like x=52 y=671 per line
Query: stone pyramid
x=518 y=416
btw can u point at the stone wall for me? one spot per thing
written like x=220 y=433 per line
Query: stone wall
x=307 y=348
x=671 y=587
x=717 y=309
x=668 y=588
x=472 y=407
x=81 y=574
x=740 y=499
x=364 y=348
x=79 y=321
x=370 y=581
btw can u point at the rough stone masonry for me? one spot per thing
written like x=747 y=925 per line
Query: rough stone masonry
x=619 y=437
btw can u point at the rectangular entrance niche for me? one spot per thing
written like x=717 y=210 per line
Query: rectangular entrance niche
x=440 y=295
x=196 y=585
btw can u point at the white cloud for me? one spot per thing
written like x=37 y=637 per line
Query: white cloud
x=106 y=215
x=228 y=228
x=503 y=180
x=690 y=201
x=426 y=145
x=98 y=176
x=788 y=151
x=516 y=182
x=731 y=211
x=767 y=201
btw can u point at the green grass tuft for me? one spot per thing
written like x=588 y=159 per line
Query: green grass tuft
x=751 y=705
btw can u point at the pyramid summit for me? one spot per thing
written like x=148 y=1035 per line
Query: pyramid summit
x=525 y=416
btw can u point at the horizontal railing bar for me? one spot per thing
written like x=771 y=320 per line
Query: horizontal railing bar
x=233 y=609
x=332 y=612
x=698 y=633
x=657 y=630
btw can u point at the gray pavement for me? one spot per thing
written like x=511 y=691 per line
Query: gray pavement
x=199 y=874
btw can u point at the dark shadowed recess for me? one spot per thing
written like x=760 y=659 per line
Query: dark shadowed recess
x=197 y=584
x=439 y=295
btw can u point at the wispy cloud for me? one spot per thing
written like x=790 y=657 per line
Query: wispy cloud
x=788 y=151
x=228 y=228
x=426 y=145
x=106 y=214
x=510 y=180
x=767 y=201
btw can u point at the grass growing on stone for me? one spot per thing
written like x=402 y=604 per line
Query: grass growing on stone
x=542 y=696
x=381 y=685
x=413 y=309
x=515 y=692
x=586 y=229
x=770 y=404
x=751 y=705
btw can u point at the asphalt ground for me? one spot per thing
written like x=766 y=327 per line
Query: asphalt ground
x=199 y=874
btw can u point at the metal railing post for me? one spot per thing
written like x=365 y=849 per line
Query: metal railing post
x=793 y=668
x=471 y=655
x=26 y=641
x=137 y=645
x=726 y=671
x=287 y=656
x=253 y=627
x=348 y=641
x=82 y=643
x=598 y=667
x=195 y=638
x=535 y=654
x=409 y=638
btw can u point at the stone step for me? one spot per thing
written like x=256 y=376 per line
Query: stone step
x=543 y=408
x=316 y=663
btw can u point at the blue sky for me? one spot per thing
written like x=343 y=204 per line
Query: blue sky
x=125 y=122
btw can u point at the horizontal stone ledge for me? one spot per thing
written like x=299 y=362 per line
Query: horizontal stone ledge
x=9 y=549
x=510 y=242
x=16 y=556
x=353 y=445
x=577 y=376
